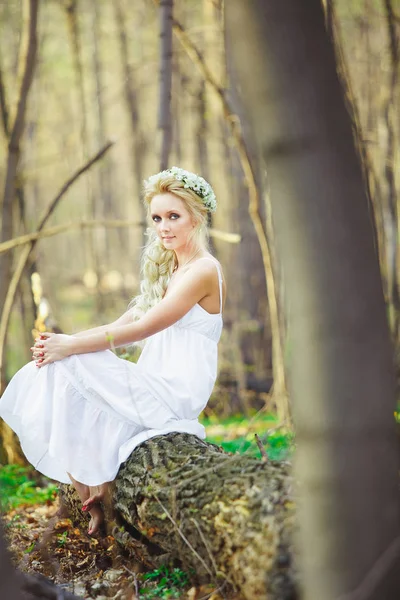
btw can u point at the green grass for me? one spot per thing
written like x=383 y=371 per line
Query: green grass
x=239 y=420
x=19 y=486
x=237 y=435
x=164 y=583
x=279 y=446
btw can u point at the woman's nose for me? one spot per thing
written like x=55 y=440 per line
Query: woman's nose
x=165 y=226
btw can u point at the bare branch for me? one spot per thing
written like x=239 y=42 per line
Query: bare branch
x=3 y=106
x=231 y=238
x=264 y=455
x=69 y=182
x=51 y=231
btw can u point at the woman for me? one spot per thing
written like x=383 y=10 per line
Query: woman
x=79 y=410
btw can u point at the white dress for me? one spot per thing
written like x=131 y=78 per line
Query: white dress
x=85 y=414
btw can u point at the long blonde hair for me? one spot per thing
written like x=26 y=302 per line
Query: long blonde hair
x=157 y=263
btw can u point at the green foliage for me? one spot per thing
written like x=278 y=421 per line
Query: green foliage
x=131 y=353
x=238 y=420
x=18 y=486
x=62 y=538
x=237 y=435
x=164 y=583
x=30 y=548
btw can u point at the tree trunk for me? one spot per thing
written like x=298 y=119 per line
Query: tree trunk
x=132 y=105
x=341 y=371
x=16 y=130
x=102 y=206
x=391 y=160
x=10 y=450
x=164 y=110
x=254 y=207
x=229 y=517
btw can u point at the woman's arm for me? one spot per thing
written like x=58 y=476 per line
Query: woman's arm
x=122 y=320
x=197 y=283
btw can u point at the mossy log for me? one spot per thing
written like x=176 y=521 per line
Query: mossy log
x=229 y=518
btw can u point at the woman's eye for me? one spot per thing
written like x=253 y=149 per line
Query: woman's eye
x=174 y=216
x=156 y=219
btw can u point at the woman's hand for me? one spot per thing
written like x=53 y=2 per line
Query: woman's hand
x=50 y=347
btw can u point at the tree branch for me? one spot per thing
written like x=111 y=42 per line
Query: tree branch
x=3 y=106
x=71 y=180
x=51 y=231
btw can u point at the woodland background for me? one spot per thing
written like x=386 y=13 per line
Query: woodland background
x=83 y=78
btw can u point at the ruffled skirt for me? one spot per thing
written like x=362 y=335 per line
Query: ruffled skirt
x=85 y=414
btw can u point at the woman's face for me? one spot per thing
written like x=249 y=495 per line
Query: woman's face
x=172 y=220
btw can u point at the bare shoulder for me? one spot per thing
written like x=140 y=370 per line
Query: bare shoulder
x=205 y=268
x=206 y=264
x=207 y=273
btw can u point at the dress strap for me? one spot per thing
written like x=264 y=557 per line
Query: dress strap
x=219 y=278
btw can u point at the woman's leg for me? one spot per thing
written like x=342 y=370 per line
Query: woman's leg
x=96 y=513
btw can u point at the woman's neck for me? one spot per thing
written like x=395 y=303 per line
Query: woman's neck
x=186 y=256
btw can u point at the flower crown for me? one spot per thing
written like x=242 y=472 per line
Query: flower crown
x=193 y=182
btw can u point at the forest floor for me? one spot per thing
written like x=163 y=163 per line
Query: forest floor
x=43 y=541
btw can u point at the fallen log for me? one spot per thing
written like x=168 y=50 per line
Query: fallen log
x=229 y=518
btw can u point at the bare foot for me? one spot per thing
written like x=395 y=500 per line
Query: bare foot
x=92 y=501
x=97 y=519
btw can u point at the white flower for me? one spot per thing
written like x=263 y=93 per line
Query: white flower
x=197 y=184
x=193 y=182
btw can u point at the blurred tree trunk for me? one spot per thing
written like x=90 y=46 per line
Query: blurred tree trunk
x=15 y=585
x=9 y=584
x=132 y=105
x=71 y=8
x=253 y=208
x=201 y=132
x=372 y=180
x=342 y=382
x=164 y=107
x=247 y=306
x=92 y=249
x=391 y=160
x=14 y=123
x=102 y=199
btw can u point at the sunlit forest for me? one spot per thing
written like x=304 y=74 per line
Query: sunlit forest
x=96 y=96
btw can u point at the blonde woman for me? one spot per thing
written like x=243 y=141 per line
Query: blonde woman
x=78 y=409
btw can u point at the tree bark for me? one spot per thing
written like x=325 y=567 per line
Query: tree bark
x=342 y=381
x=229 y=517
